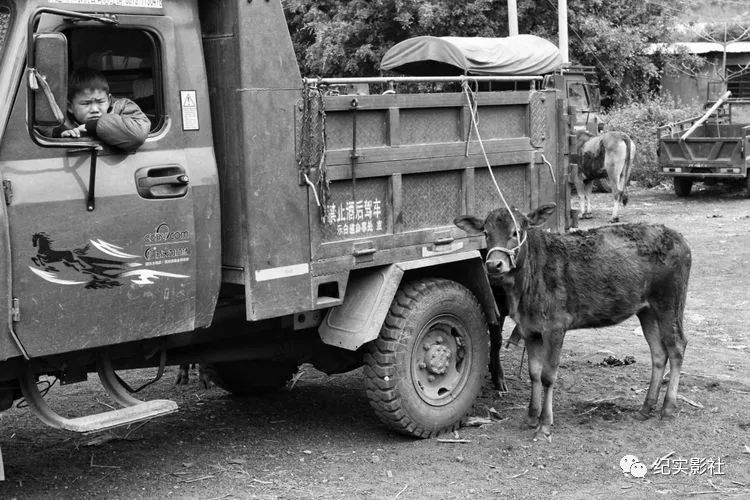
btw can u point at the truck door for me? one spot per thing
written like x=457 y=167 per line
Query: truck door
x=127 y=266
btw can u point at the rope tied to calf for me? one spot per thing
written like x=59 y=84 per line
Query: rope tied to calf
x=471 y=99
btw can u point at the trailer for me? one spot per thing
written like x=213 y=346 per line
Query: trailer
x=269 y=220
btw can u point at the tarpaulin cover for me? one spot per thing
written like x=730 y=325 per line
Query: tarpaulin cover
x=449 y=55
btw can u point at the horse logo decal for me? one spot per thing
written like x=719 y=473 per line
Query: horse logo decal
x=78 y=267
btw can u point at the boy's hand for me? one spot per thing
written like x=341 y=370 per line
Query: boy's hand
x=74 y=132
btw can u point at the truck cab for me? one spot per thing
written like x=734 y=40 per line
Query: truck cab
x=579 y=83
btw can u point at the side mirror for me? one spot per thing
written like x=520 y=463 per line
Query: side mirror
x=48 y=79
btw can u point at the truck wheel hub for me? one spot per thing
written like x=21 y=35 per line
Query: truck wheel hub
x=438 y=359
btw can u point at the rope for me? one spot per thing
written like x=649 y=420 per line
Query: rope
x=312 y=147
x=474 y=111
x=551 y=170
x=41 y=81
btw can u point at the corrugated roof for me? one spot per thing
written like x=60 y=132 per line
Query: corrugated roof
x=701 y=47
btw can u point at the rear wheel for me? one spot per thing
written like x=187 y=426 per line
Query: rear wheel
x=249 y=378
x=682 y=186
x=426 y=368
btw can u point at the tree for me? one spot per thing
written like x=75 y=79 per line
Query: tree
x=349 y=37
x=724 y=34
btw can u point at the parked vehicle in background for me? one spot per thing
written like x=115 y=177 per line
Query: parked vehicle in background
x=711 y=148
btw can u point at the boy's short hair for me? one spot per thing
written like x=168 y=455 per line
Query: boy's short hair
x=86 y=78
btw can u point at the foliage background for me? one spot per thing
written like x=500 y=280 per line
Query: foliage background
x=349 y=37
x=640 y=119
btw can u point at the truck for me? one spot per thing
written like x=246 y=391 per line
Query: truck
x=710 y=148
x=268 y=220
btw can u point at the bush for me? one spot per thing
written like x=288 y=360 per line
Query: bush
x=640 y=120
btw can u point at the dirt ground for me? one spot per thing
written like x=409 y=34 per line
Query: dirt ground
x=320 y=440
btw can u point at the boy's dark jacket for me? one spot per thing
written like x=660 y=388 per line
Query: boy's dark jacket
x=123 y=126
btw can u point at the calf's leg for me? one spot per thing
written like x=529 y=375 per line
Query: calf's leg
x=183 y=375
x=650 y=327
x=535 y=348
x=552 y=349
x=496 y=367
x=588 y=188
x=578 y=181
x=616 y=206
x=673 y=337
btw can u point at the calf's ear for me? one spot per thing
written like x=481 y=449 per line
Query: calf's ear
x=470 y=224
x=541 y=214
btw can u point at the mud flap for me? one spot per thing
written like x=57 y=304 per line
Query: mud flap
x=369 y=296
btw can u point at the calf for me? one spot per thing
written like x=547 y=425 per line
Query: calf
x=554 y=283
x=607 y=155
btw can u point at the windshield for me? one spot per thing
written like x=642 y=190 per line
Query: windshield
x=4 y=23
x=577 y=96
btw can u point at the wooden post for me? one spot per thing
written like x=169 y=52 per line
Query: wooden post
x=512 y=18
x=562 y=21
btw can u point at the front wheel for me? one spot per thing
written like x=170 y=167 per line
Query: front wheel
x=682 y=186
x=426 y=368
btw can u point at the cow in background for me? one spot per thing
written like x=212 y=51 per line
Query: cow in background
x=607 y=155
x=553 y=283
x=183 y=375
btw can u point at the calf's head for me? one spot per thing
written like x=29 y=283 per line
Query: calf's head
x=505 y=232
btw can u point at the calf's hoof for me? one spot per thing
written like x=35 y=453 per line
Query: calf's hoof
x=532 y=422
x=614 y=220
x=641 y=416
x=646 y=411
x=501 y=386
x=586 y=215
x=543 y=432
x=668 y=413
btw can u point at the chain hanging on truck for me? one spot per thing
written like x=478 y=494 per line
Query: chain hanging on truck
x=311 y=154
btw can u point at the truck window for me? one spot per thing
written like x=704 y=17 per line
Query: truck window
x=577 y=96
x=4 y=23
x=128 y=58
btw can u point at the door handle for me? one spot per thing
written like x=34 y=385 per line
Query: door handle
x=162 y=182
x=176 y=180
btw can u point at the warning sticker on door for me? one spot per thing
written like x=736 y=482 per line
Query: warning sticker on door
x=189 y=106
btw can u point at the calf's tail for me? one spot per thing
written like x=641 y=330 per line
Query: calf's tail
x=625 y=176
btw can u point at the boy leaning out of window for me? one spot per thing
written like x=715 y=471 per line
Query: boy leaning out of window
x=93 y=112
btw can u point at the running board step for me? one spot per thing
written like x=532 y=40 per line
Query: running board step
x=134 y=410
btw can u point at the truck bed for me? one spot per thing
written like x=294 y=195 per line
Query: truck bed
x=413 y=170
x=711 y=150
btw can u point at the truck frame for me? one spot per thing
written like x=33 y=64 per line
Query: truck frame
x=268 y=220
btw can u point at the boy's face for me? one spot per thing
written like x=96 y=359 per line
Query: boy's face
x=89 y=104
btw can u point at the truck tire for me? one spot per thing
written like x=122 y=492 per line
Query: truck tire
x=682 y=186
x=251 y=378
x=427 y=366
